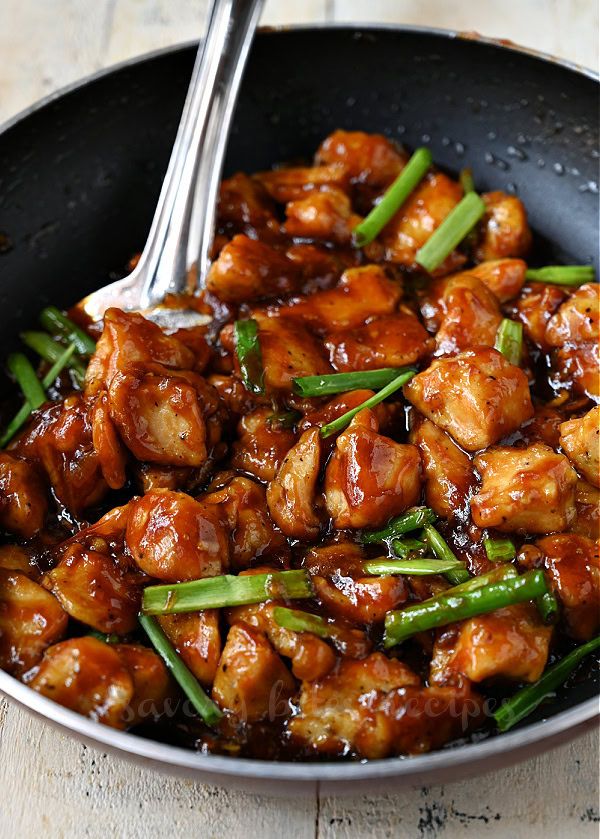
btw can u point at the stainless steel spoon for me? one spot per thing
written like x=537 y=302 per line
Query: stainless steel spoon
x=177 y=251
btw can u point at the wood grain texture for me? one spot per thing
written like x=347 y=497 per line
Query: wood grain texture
x=51 y=785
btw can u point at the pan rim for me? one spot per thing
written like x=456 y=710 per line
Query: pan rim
x=130 y=745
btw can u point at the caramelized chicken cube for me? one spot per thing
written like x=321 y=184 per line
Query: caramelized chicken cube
x=30 y=620
x=245 y=203
x=247 y=270
x=573 y=569
x=17 y=558
x=243 y=504
x=159 y=418
x=87 y=676
x=471 y=315
x=292 y=183
x=289 y=350
x=23 y=497
x=174 y=538
x=580 y=439
x=579 y=367
x=326 y=215
x=252 y=681
x=291 y=494
x=367 y=158
x=510 y=643
x=109 y=449
x=261 y=445
x=587 y=503
x=376 y=708
x=421 y=214
x=530 y=489
x=389 y=341
x=361 y=293
x=476 y=396
x=448 y=470
x=93 y=589
x=535 y=307
x=504 y=230
x=370 y=478
x=576 y=321
x=196 y=637
x=503 y=277
x=153 y=688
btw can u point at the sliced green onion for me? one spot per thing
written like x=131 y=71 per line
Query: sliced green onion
x=509 y=341
x=247 y=347
x=20 y=367
x=466 y=180
x=226 y=590
x=394 y=197
x=299 y=621
x=411 y=520
x=405 y=547
x=51 y=351
x=23 y=414
x=527 y=700
x=571 y=275
x=341 y=422
x=343 y=382
x=451 y=606
x=207 y=709
x=53 y=320
x=442 y=550
x=107 y=638
x=457 y=224
x=496 y=575
x=417 y=567
x=286 y=419
x=499 y=550
x=547 y=605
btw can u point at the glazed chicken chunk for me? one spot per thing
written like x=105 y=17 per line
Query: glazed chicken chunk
x=580 y=439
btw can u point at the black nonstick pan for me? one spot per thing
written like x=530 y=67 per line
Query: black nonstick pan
x=80 y=176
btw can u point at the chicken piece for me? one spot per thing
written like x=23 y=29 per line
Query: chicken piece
x=292 y=183
x=530 y=489
x=579 y=367
x=291 y=495
x=311 y=657
x=361 y=293
x=30 y=620
x=17 y=558
x=87 y=676
x=587 y=503
x=367 y=158
x=93 y=589
x=535 y=307
x=153 y=689
x=174 y=538
x=471 y=315
x=476 y=396
x=60 y=441
x=544 y=427
x=325 y=215
x=196 y=637
x=112 y=455
x=252 y=681
x=159 y=418
x=580 y=439
x=504 y=228
x=151 y=476
x=576 y=321
x=247 y=269
x=236 y=399
x=320 y=266
x=448 y=470
x=130 y=342
x=243 y=505
x=503 y=277
x=421 y=214
x=261 y=445
x=245 y=204
x=370 y=478
x=573 y=571
x=288 y=350
x=376 y=708
x=389 y=341
x=23 y=497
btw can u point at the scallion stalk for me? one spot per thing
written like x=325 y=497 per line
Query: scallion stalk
x=411 y=520
x=405 y=547
x=466 y=180
x=247 y=347
x=416 y=567
x=395 y=196
x=509 y=341
x=53 y=320
x=442 y=550
x=51 y=351
x=569 y=275
x=20 y=367
x=343 y=382
x=457 y=224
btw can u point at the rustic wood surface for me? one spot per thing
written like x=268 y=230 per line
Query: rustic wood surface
x=53 y=786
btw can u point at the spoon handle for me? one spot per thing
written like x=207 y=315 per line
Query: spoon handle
x=182 y=230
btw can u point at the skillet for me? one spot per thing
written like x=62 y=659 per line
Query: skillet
x=80 y=176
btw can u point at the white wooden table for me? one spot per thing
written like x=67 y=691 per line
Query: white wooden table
x=52 y=786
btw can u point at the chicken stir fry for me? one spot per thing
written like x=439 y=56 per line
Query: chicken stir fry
x=345 y=514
